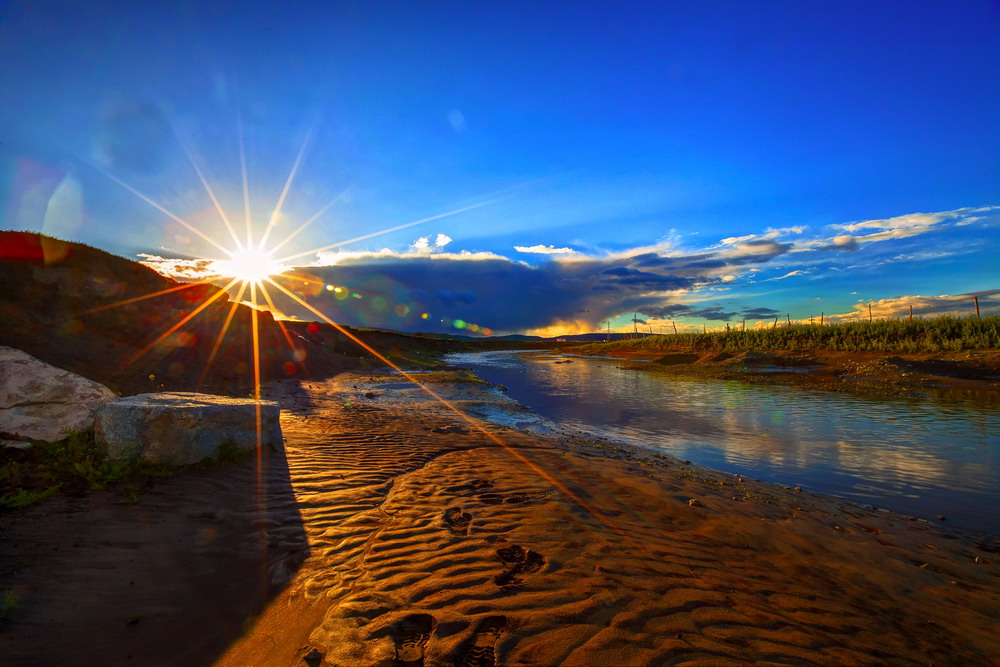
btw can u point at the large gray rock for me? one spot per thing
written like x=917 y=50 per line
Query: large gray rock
x=182 y=427
x=42 y=402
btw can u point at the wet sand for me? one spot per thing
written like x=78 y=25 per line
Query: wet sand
x=392 y=526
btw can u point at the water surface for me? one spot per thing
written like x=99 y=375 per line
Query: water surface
x=920 y=456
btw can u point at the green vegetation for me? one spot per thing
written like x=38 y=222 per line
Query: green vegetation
x=77 y=465
x=74 y=465
x=931 y=335
x=9 y=601
x=230 y=452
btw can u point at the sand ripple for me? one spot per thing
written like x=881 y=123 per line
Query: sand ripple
x=598 y=560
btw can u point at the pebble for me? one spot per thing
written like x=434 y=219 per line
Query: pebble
x=694 y=502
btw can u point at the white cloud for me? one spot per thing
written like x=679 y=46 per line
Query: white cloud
x=921 y=221
x=769 y=233
x=425 y=245
x=797 y=272
x=925 y=306
x=184 y=270
x=543 y=250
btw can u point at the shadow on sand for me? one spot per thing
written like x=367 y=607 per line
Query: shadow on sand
x=171 y=579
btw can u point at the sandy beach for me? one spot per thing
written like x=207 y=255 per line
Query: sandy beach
x=392 y=527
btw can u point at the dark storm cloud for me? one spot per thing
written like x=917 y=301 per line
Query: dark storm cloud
x=748 y=252
x=843 y=243
x=759 y=313
x=684 y=310
x=621 y=275
x=432 y=291
x=495 y=292
x=505 y=295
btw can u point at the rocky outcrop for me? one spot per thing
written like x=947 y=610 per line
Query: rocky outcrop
x=183 y=428
x=42 y=402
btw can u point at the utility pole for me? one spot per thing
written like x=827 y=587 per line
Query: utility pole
x=674 y=324
x=635 y=326
x=869 y=313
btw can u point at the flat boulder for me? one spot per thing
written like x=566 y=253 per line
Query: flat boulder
x=41 y=402
x=182 y=427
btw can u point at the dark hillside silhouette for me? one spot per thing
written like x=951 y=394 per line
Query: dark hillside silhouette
x=52 y=307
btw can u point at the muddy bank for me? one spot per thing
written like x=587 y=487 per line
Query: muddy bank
x=876 y=373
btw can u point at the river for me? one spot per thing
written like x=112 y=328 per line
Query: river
x=924 y=457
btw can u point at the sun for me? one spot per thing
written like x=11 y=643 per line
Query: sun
x=251 y=265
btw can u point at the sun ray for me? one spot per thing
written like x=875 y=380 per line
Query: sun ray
x=159 y=207
x=391 y=229
x=142 y=298
x=281 y=325
x=288 y=185
x=304 y=279
x=132 y=359
x=246 y=183
x=309 y=221
x=256 y=387
x=489 y=434
x=208 y=188
x=222 y=333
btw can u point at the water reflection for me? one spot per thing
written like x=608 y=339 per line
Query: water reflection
x=924 y=456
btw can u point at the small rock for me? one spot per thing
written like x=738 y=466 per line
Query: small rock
x=694 y=502
x=941 y=517
x=313 y=658
x=797 y=489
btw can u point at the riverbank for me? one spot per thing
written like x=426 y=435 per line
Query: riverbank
x=872 y=373
x=391 y=523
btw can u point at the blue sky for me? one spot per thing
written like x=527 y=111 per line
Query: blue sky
x=700 y=160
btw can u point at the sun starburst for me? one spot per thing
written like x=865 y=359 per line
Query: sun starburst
x=251 y=265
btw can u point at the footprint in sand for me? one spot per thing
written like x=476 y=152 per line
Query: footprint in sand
x=481 y=650
x=471 y=485
x=410 y=636
x=518 y=561
x=458 y=520
x=513 y=498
